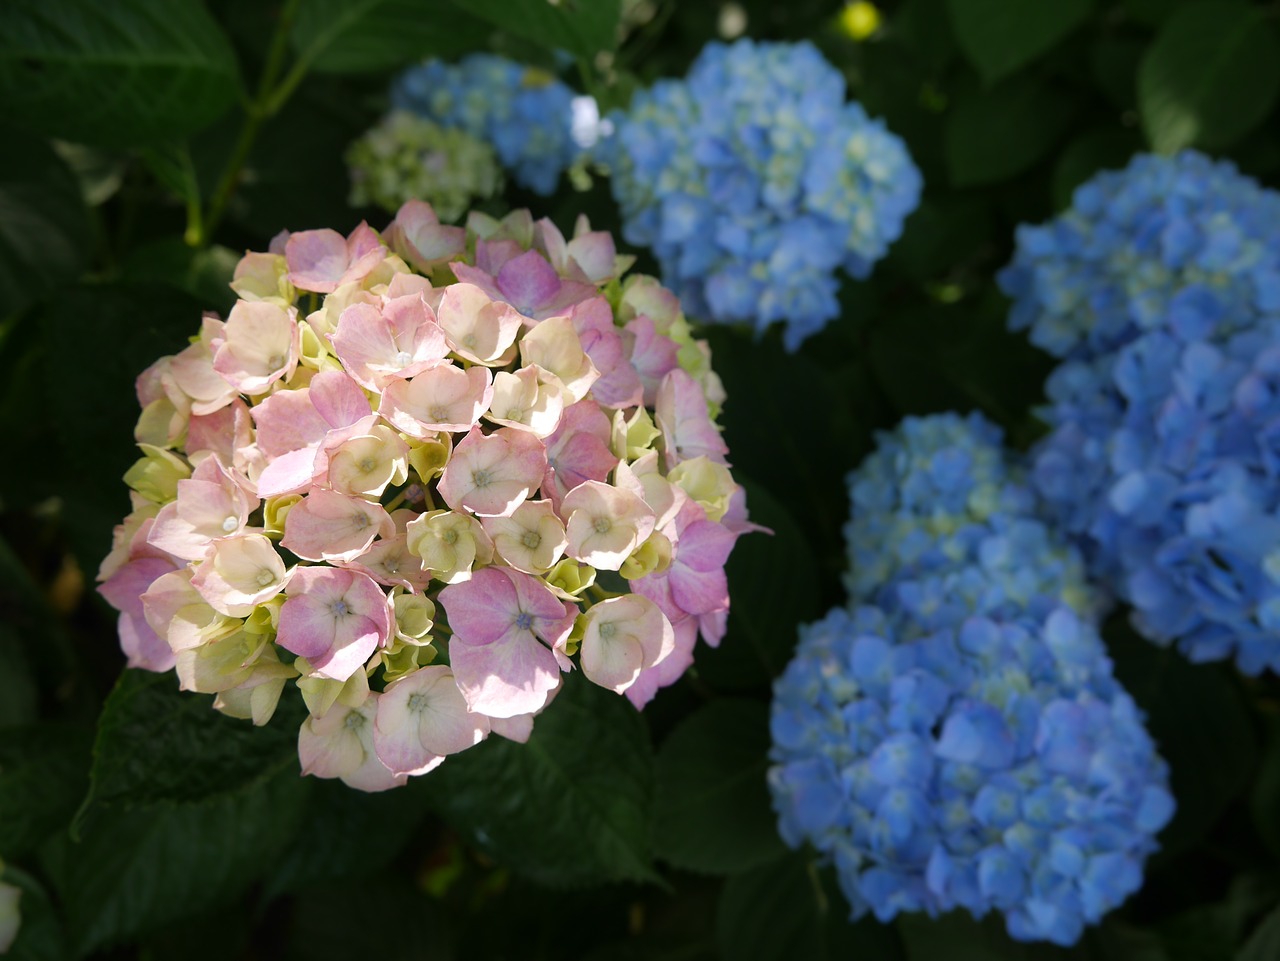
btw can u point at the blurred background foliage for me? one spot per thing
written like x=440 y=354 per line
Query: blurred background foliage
x=148 y=143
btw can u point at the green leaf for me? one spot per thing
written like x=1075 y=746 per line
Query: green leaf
x=18 y=693
x=1196 y=714
x=957 y=937
x=1000 y=36
x=156 y=743
x=135 y=870
x=1210 y=77
x=570 y=807
x=992 y=135
x=1106 y=148
x=773 y=587
x=40 y=935
x=43 y=776
x=1265 y=797
x=772 y=913
x=141 y=323
x=1264 y=944
x=44 y=228
x=581 y=27
x=126 y=73
x=204 y=273
x=334 y=843
x=712 y=811
x=355 y=36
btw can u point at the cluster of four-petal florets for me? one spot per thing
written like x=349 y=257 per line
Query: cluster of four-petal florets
x=486 y=434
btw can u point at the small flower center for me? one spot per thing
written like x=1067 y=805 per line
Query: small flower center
x=438 y=415
x=524 y=621
x=367 y=465
x=481 y=478
x=230 y=523
x=339 y=608
x=266 y=577
x=275 y=361
x=403 y=358
x=608 y=629
x=417 y=703
x=360 y=521
x=354 y=721
x=531 y=539
x=450 y=536
x=602 y=525
x=515 y=413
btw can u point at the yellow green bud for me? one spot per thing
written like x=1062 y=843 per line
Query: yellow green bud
x=155 y=476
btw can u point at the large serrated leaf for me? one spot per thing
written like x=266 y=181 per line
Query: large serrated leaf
x=1264 y=943
x=138 y=869
x=42 y=779
x=354 y=36
x=570 y=807
x=1000 y=36
x=772 y=913
x=712 y=811
x=44 y=229
x=580 y=27
x=156 y=743
x=994 y=134
x=1211 y=76
x=126 y=72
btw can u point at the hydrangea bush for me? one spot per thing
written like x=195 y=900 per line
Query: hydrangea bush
x=419 y=475
x=525 y=114
x=1160 y=291
x=753 y=180
x=406 y=157
x=955 y=737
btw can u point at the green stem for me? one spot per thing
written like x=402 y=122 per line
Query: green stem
x=268 y=101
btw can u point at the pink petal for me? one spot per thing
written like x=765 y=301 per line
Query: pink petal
x=505 y=677
x=317 y=259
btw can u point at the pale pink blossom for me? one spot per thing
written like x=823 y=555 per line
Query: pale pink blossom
x=421 y=718
x=506 y=628
x=525 y=401
x=367 y=463
x=321 y=260
x=532 y=539
x=492 y=474
x=259 y=345
x=528 y=283
x=480 y=330
x=687 y=429
x=340 y=745
x=441 y=398
x=211 y=503
x=418 y=236
x=398 y=341
x=578 y=450
x=623 y=636
x=334 y=618
x=330 y=526
x=604 y=524
x=554 y=346
x=240 y=572
x=618 y=385
x=449 y=543
x=193 y=373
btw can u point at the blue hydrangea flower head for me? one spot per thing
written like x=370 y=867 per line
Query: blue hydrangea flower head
x=956 y=737
x=1160 y=289
x=525 y=113
x=753 y=180
x=939 y=495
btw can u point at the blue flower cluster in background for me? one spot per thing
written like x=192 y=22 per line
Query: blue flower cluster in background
x=524 y=112
x=955 y=738
x=753 y=180
x=1160 y=289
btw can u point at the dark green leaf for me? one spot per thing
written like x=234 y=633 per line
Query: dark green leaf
x=957 y=937
x=1201 y=727
x=40 y=935
x=773 y=586
x=1151 y=12
x=1264 y=943
x=333 y=841
x=138 y=869
x=1265 y=798
x=1114 y=65
x=772 y=913
x=203 y=273
x=570 y=807
x=1107 y=148
x=353 y=36
x=992 y=135
x=44 y=229
x=156 y=743
x=1211 y=76
x=43 y=776
x=925 y=27
x=711 y=811
x=581 y=27
x=142 y=322
x=124 y=73
x=999 y=36
x=18 y=693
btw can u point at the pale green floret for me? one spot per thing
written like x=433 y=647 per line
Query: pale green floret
x=406 y=157
x=156 y=474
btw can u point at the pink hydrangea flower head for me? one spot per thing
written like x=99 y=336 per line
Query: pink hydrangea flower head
x=450 y=438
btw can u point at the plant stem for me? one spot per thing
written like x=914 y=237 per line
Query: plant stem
x=268 y=101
